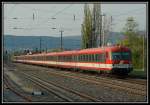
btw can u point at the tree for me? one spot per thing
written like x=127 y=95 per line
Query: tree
x=134 y=41
x=96 y=24
x=87 y=28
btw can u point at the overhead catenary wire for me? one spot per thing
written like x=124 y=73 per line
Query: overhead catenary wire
x=76 y=18
x=53 y=15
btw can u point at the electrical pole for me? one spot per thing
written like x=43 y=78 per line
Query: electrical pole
x=61 y=39
x=33 y=16
x=104 y=27
x=100 y=34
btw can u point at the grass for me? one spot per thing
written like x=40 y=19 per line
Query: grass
x=139 y=73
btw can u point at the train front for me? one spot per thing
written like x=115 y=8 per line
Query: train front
x=121 y=60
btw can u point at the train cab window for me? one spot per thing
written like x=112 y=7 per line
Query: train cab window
x=121 y=55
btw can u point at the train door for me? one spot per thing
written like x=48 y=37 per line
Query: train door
x=101 y=58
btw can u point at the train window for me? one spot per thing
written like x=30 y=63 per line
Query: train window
x=97 y=57
x=75 y=58
x=86 y=58
x=89 y=57
x=66 y=59
x=93 y=58
x=62 y=58
x=71 y=57
x=83 y=57
x=48 y=58
x=78 y=57
x=40 y=58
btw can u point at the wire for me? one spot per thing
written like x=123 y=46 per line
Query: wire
x=62 y=10
x=54 y=15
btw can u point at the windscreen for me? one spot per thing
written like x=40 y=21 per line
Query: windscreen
x=121 y=56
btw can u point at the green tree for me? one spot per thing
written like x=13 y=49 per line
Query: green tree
x=87 y=28
x=134 y=41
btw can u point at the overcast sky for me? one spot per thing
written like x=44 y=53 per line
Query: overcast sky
x=64 y=13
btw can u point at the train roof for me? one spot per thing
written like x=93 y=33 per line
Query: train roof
x=85 y=51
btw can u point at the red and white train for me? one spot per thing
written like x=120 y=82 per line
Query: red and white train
x=111 y=59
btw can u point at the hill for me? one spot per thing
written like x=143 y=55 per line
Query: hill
x=12 y=42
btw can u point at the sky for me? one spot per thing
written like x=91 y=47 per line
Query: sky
x=37 y=19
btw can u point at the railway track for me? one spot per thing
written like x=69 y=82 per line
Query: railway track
x=115 y=84
x=131 y=88
x=13 y=89
x=47 y=84
x=112 y=77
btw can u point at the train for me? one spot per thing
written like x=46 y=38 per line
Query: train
x=108 y=59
